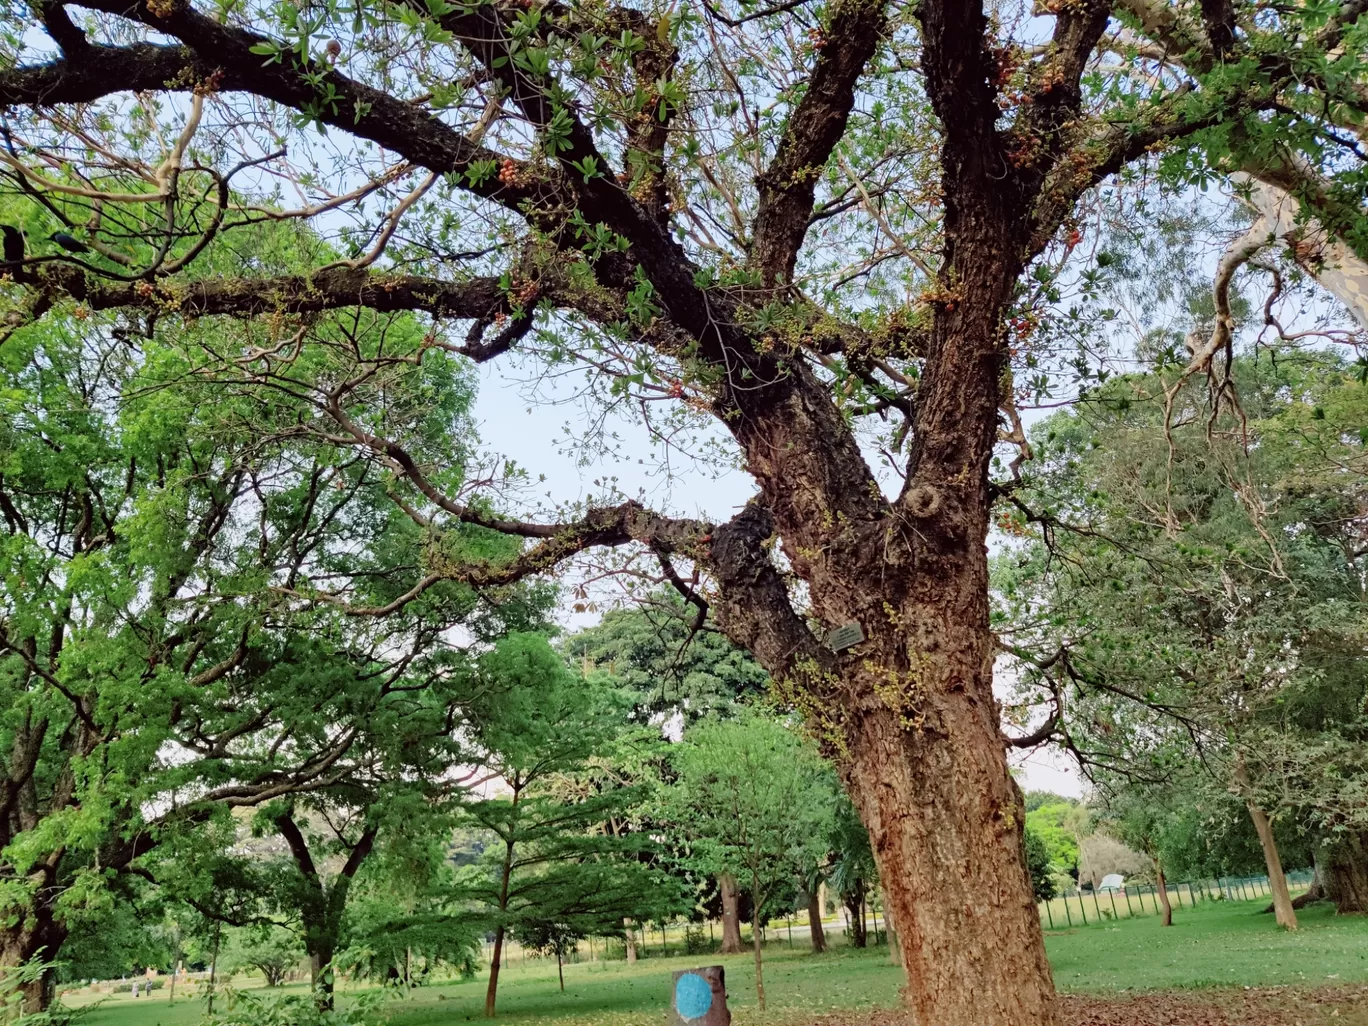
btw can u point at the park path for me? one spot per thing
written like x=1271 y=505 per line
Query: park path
x=1269 y=1006
x=1258 y=1006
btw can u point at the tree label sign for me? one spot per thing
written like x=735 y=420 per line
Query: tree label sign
x=844 y=636
x=700 y=997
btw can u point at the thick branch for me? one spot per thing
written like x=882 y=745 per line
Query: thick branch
x=299 y=848
x=753 y=605
x=608 y=527
x=788 y=186
x=332 y=289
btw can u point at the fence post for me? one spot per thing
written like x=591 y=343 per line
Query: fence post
x=1096 y=907
x=1067 y=914
x=1154 y=898
x=1130 y=912
x=1082 y=908
x=1047 y=913
x=1112 y=895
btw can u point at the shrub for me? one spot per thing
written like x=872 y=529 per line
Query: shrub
x=696 y=940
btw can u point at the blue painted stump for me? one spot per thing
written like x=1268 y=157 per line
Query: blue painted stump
x=700 y=997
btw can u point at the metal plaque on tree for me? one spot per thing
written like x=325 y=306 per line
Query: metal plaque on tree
x=700 y=997
x=844 y=636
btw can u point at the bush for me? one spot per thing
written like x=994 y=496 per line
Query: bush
x=244 y=1008
x=696 y=940
x=1038 y=862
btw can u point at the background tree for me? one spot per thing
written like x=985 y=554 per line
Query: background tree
x=677 y=666
x=1040 y=865
x=681 y=670
x=272 y=951
x=756 y=801
x=853 y=872
x=1248 y=608
x=551 y=864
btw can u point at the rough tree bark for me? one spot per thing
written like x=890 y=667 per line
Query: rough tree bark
x=629 y=940
x=815 y=921
x=1344 y=863
x=731 y=916
x=37 y=935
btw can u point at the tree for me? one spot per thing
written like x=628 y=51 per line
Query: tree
x=1241 y=638
x=272 y=951
x=1049 y=821
x=552 y=866
x=549 y=937
x=144 y=533
x=789 y=240
x=674 y=663
x=1041 y=866
x=757 y=803
x=681 y=669
x=401 y=785
x=152 y=628
x=853 y=873
x=1139 y=818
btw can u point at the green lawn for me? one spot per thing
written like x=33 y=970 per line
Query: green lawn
x=1216 y=944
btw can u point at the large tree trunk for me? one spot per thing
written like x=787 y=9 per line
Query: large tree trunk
x=920 y=745
x=927 y=766
x=1161 y=887
x=1344 y=864
x=629 y=940
x=1277 y=880
x=945 y=819
x=815 y=921
x=36 y=936
x=320 y=973
x=731 y=917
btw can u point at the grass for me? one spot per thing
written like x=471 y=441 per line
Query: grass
x=1214 y=944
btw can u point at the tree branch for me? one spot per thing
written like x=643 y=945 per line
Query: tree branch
x=788 y=186
x=221 y=58
x=335 y=288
